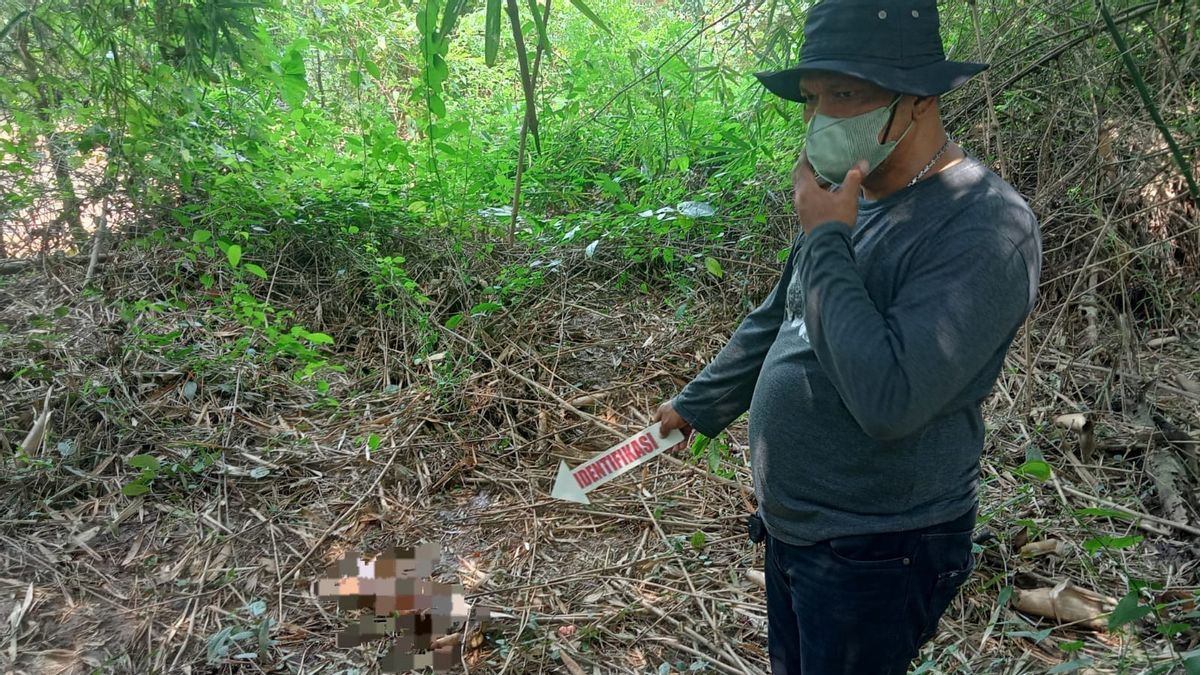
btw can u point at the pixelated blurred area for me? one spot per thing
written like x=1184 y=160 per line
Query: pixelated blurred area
x=398 y=598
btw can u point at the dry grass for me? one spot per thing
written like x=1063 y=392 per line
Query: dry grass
x=468 y=449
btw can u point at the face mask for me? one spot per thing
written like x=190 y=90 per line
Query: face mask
x=835 y=144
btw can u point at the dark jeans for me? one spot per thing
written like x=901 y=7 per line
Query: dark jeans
x=862 y=605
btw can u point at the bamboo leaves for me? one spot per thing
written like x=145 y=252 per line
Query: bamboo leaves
x=453 y=11
x=491 y=32
x=12 y=24
x=579 y=4
x=539 y=20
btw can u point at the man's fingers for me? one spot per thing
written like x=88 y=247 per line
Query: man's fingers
x=804 y=170
x=854 y=178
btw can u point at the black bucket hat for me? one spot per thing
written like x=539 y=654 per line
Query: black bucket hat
x=892 y=43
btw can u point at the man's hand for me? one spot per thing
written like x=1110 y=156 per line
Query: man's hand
x=670 y=420
x=815 y=205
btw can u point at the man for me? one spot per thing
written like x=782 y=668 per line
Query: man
x=865 y=368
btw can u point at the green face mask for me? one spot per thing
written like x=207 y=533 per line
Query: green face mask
x=835 y=144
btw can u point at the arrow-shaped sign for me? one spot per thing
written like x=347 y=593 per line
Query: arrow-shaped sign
x=633 y=451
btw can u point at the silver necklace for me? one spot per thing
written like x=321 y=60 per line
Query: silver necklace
x=929 y=166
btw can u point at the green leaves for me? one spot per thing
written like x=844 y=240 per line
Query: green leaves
x=539 y=20
x=293 y=84
x=234 y=254
x=485 y=308
x=1096 y=543
x=436 y=105
x=454 y=10
x=135 y=489
x=12 y=24
x=579 y=4
x=1035 y=466
x=145 y=462
x=714 y=267
x=1127 y=611
x=1103 y=513
x=491 y=32
x=150 y=467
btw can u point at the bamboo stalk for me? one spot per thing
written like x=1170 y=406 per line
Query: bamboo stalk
x=97 y=243
x=1144 y=92
x=530 y=122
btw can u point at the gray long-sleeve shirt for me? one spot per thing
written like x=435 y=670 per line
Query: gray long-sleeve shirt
x=865 y=368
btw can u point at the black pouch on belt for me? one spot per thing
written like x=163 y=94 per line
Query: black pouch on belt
x=755 y=528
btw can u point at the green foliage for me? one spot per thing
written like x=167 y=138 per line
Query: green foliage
x=1035 y=466
x=712 y=451
x=1127 y=611
x=153 y=469
x=1105 y=542
x=247 y=638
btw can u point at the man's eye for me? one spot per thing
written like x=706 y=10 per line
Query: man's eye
x=842 y=95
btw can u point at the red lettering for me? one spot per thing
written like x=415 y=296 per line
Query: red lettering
x=615 y=460
x=643 y=447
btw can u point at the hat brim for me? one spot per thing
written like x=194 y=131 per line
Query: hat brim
x=931 y=80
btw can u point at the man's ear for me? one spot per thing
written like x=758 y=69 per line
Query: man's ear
x=925 y=105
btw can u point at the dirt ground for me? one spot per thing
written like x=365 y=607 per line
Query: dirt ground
x=262 y=482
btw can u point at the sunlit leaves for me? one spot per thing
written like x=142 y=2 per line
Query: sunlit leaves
x=292 y=83
x=579 y=4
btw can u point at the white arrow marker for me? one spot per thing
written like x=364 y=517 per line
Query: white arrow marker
x=633 y=451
